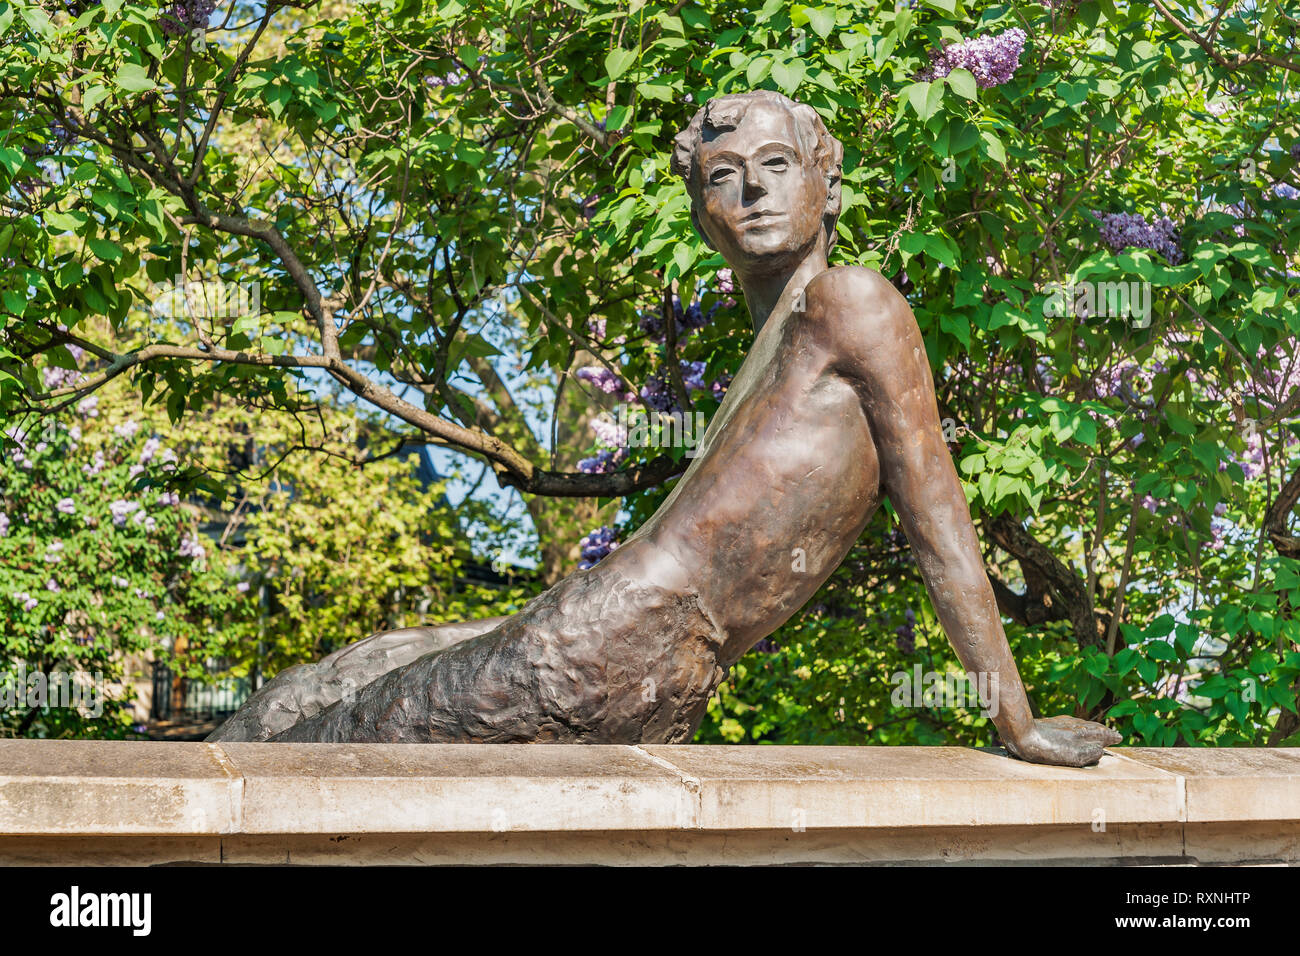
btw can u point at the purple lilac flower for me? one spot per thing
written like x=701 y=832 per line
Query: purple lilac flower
x=726 y=282
x=186 y=15
x=609 y=433
x=56 y=378
x=120 y=509
x=602 y=378
x=660 y=397
x=241 y=587
x=693 y=376
x=52 y=586
x=53 y=552
x=652 y=325
x=191 y=548
x=688 y=320
x=1252 y=462
x=26 y=600
x=67 y=506
x=767 y=646
x=991 y=59
x=169 y=499
x=1295 y=150
x=1123 y=230
x=656 y=393
x=605 y=461
x=1285 y=191
x=1151 y=504
x=88 y=407
x=596 y=546
x=693 y=317
x=720 y=386
x=119 y=582
x=96 y=465
x=4 y=524
x=127 y=429
x=150 y=449
x=596 y=327
x=448 y=79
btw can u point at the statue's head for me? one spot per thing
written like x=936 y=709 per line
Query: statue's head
x=763 y=174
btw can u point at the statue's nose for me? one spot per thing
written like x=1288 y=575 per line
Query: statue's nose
x=753 y=186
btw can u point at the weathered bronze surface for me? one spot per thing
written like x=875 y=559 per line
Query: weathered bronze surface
x=832 y=410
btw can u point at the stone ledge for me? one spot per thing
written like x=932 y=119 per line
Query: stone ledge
x=172 y=801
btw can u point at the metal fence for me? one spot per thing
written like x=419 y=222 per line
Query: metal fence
x=185 y=699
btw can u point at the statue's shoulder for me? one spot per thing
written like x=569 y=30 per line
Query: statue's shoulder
x=854 y=294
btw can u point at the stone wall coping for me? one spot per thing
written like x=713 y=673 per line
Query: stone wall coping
x=51 y=788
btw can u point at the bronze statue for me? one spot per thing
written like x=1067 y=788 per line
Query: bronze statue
x=832 y=409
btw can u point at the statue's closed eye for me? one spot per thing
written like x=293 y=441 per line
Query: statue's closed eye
x=719 y=175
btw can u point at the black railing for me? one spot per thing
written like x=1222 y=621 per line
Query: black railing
x=186 y=699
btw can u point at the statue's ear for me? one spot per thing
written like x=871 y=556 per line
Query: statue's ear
x=695 y=221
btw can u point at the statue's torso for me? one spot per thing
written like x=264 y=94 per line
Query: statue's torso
x=784 y=482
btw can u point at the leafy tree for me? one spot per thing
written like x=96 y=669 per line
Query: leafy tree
x=102 y=562
x=98 y=564
x=444 y=207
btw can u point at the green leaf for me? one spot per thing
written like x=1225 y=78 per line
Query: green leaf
x=822 y=20
x=106 y=249
x=618 y=62
x=788 y=75
x=1160 y=650
x=133 y=78
x=962 y=83
x=993 y=148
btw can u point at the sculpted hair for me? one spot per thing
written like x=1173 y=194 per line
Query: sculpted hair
x=724 y=113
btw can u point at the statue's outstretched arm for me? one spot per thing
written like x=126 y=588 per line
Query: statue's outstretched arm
x=877 y=334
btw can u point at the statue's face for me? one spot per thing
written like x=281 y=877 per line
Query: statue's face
x=761 y=200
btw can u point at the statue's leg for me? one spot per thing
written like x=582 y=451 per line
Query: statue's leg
x=599 y=658
x=304 y=691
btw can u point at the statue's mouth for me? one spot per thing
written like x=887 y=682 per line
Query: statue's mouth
x=760 y=216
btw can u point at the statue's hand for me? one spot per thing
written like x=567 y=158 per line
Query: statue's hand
x=1064 y=742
